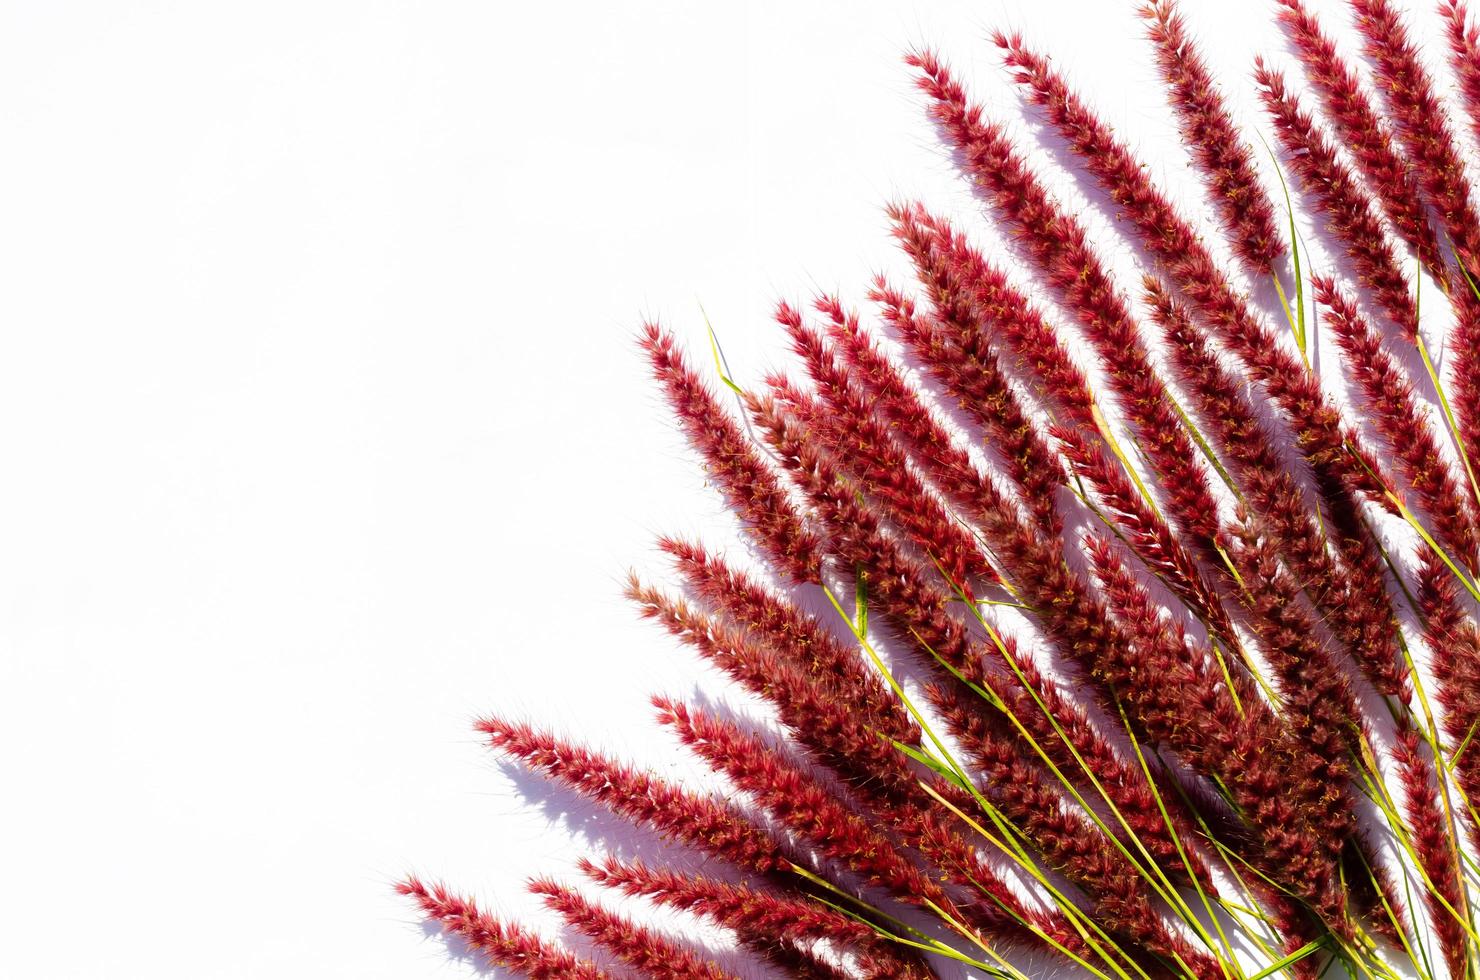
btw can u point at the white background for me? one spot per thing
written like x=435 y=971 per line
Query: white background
x=323 y=432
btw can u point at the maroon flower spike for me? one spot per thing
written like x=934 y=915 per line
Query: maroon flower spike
x=1423 y=126
x=1343 y=465
x=1057 y=597
x=1408 y=430
x=1222 y=155
x=500 y=944
x=903 y=595
x=733 y=462
x=1398 y=182
x=1434 y=847
x=1354 y=215
x=1421 y=118
x=1455 y=643
x=970 y=373
x=759 y=918
x=960 y=480
x=977 y=495
x=1464 y=51
x=1430 y=172
x=1115 y=657
x=1318 y=702
x=902 y=591
x=1146 y=534
x=1388 y=172
x=1135 y=801
x=709 y=825
x=643 y=949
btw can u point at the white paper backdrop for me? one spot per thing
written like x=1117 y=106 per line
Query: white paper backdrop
x=323 y=431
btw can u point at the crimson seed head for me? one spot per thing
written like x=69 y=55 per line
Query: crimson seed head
x=1354 y=215
x=1464 y=47
x=1424 y=130
x=642 y=949
x=1224 y=158
x=500 y=944
x=754 y=915
x=731 y=459
x=1408 y=429
x=704 y=823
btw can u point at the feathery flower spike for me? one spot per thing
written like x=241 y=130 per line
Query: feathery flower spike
x=500 y=944
x=1222 y=155
x=642 y=949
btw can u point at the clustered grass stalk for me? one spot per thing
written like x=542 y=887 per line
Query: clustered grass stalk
x=1183 y=668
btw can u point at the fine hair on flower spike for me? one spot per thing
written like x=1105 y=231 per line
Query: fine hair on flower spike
x=1119 y=625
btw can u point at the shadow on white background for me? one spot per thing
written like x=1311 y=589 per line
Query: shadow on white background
x=324 y=431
